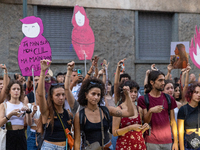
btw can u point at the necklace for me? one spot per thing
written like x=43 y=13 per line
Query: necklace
x=92 y=109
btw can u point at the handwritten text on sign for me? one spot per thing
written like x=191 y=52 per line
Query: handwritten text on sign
x=31 y=53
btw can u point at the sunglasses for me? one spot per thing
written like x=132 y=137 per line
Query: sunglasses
x=57 y=84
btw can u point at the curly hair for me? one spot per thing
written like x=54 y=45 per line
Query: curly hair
x=132 y=84
x=8 y=96
x=190 y=91
x=85 y=88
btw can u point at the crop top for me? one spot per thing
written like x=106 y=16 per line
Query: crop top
x=189 y=115
x=14 y=119
x=57 y=134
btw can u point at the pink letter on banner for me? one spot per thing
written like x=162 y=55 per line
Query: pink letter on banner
x=33 y=47
x=82 y=35
x=195 y=51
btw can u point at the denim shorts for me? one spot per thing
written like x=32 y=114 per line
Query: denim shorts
x=49 y=146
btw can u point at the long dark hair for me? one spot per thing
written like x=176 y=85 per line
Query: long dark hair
x=21 y=97
x=50 y=102
x=180 y=96
x=85 y=88
x=132 y=84
x=153 y=76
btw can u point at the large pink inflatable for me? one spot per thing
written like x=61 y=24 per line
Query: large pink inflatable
x=82 y=35
x=33 y=47
x=195 y=51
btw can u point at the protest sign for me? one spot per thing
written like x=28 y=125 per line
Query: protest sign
x=195 y=50
x=179 y=54
x=33 y=47
x=83 y=39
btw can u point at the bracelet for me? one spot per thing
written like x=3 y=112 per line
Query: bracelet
x=104 y=74
x=116 y=133
x=28 y=112
x=89 y=74
x=7 y=118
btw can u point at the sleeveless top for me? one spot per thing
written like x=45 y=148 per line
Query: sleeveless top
x=14 y=119
x=132 y=140
x=93 y=131
x=57 y=134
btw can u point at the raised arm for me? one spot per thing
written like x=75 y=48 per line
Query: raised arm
x=89 y=72
x=146 y=77
x=116 y=111
x=45 y=64
x=69 y=96
x=96 y=58
x=169 y=68
x=5 y=83
x=117 y=76
x=183 y=77
x=185 y=88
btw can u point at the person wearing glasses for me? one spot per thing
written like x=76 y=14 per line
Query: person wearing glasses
x=12 y=114
x=53 y=114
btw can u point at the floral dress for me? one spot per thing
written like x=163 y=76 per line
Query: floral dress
x=132 y=140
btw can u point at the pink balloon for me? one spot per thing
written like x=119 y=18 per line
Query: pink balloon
x=83 y=39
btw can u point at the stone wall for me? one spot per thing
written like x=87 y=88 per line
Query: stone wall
x=11 y=34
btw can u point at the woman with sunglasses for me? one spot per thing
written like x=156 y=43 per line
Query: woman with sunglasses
x=90 y=96
x=12 y=114
x=53 y=114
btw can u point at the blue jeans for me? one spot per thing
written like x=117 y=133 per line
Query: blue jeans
x=31 y=143
x=114 y=140
x=49 y=146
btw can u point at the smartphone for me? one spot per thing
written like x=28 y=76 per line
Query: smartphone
x=8 y=126
x=79 y=71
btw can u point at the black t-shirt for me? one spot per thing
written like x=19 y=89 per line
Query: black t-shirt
x=189 y=115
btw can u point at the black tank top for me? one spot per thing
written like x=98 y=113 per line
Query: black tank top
x=93 y=131
x=57 y=134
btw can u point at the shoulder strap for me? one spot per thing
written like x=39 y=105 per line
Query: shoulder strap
x=82 y=118
x=106 y=112
x=169 y=102
x=61 y=123
x=146 y=100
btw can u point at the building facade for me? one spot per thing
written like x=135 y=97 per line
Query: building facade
x=140 y=31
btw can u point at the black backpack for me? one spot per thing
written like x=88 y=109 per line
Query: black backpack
x=82 y=116
x=146 y=100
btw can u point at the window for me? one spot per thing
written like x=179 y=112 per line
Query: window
x=154 y=33
x=57 y=30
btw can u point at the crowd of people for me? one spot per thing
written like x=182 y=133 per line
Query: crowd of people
x=98 y=114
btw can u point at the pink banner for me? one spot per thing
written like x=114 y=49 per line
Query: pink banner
x=33 y=47
x=82 y=35
x=195 y=51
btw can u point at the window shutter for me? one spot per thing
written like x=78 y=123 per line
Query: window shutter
x=57 y=30
x=155 y=35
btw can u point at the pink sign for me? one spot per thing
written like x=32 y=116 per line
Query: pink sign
x=33 y=47
x=195 y=51
x=82 y=35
